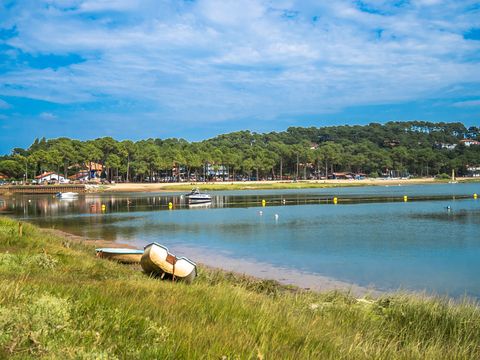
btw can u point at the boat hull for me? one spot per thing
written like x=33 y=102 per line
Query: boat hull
x=156 y=260
x=125 y=256
x=67 y=195
x=198 y=199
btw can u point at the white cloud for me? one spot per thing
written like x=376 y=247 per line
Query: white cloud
x=47 y=116
x=214 y=60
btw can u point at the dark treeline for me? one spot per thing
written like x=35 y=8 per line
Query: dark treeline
x=416 y=148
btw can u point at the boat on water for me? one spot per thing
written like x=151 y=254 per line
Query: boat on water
x=123 y=255
x=196 y=197
x=66 y=195
x=157 y=260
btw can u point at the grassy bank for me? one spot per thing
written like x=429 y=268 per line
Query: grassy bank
x=272 y=185
x=260 y=186
x=58 y=301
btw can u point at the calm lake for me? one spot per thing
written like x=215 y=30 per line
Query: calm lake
x=371 y=238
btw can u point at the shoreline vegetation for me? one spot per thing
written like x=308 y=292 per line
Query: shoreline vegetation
x=394 y=149
x=170 y=187
x=57 y=300
x=272 y=185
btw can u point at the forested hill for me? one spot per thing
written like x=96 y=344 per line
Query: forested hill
x=416 y=147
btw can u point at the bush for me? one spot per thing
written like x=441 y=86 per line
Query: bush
x=443 y=176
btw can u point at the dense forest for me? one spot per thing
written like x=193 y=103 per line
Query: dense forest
x=416 y=148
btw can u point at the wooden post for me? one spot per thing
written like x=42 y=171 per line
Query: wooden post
x=20 y=229
x=173 y=272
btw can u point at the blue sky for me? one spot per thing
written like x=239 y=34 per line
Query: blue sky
x=194 y=69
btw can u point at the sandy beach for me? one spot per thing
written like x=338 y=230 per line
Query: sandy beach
x=265 y=185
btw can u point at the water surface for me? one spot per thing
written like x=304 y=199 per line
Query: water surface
x=370 y=238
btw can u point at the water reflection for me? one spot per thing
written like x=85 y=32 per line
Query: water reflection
x=370 y=237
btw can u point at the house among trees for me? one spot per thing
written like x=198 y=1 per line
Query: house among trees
x=86 y=171
x=94 y=168
x=81 y=176
x=445 y=146
x=473 y=171
x=469 y=142
x=49 y=177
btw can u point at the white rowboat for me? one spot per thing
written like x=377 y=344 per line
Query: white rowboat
x=157 y=260
x=123 y=255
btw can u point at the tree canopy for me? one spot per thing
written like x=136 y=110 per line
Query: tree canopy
x=416 y=147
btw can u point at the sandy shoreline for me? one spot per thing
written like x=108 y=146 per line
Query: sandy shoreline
x=264 y=185
x=244 y=267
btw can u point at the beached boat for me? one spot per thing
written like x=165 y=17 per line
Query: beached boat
x=67 y=195
x=158 y=261
x=196 y=197
x=123 y=255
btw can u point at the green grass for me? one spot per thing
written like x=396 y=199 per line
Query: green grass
x=58 y=301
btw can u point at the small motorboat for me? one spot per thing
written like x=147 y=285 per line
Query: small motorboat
x=157 y=260
x=196 y=197
x=67 y=195
x=123 y=255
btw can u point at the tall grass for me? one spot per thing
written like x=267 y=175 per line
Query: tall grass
x=58 y=301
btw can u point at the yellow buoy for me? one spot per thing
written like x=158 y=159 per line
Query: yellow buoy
x=475 y=196
x=405 y=198
x=104 y=207
x=264 y=202
x=170 y=205
x=335 y=200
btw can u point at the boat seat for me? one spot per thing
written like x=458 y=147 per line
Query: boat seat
x=171 y=259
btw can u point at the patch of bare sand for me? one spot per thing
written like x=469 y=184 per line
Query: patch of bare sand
x=160 y=187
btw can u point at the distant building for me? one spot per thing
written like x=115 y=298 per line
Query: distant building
x=216 y=170
x=50 y=177
x=391 y=143
x=94 y=168
x=313 y=146
x=342 y=175
x=80 y=176
x=447 y=146
x=469 y=142
x=473 y=171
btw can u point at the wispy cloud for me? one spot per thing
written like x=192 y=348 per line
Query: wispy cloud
x=219 y=60
x=47 y=116
x=467 y=103
x=4 y=104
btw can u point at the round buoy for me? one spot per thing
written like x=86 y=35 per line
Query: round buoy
x=405 y=198
x=276 y=217
x=260 y=213
x=335 y=200
x=264 y=202
x=283 y=201
x=170 y=205
x=475 y=196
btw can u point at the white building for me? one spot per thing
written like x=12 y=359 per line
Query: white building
x=469 y=142
x=50 y=177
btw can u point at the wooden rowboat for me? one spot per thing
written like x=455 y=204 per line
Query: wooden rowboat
x=158 y=261
x=123 y=255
